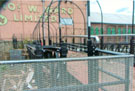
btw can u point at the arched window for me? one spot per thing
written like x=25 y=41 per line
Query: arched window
x=92 y=31
x=119 y=30
x=113 y=30
x=97 y=31
x=108 y=30
x=124 y=30
x=129 y=31
x=101 y=31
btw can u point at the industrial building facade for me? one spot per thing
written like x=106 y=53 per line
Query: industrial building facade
x=20 y=17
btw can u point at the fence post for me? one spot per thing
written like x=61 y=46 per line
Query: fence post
x=93 y=73
x=127 y=73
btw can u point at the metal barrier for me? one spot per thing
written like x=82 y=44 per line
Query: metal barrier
x=115 y=43
x=117 y=38
x=103 y=73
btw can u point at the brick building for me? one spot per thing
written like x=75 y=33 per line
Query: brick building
x=20 y=17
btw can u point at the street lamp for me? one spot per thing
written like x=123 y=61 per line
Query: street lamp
x=102 y=38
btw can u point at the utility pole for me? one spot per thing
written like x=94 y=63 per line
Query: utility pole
x=43 y=22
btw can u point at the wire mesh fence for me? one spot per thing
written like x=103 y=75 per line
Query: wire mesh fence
x=106 y=73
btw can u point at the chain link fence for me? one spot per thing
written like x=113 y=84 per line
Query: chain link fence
x=105 y=73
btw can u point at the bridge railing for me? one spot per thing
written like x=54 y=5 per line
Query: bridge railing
x=117 y=38
x=117 y=42
x=102 y=73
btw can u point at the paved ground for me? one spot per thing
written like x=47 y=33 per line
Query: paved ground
x=83 y=77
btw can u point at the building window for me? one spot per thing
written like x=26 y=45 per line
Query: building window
x=108 y=30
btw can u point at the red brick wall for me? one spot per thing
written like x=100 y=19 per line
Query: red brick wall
x=19 y=15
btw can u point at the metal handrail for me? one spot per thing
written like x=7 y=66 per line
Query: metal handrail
x=64 y=59
x=85 y=36
x=118 y=35
x=111 y=52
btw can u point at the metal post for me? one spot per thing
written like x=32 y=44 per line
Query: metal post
x=43 y=22
x=127 y=73
x=39 y=35
x=90 y=48
x=49 y=39
x=60 y=40
x=92 y=65
x=56 y=37
x=102 y=38
x=73 y=33
x=66 y=35
x=132 y=38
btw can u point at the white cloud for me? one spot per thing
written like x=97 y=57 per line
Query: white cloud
x=113 y=6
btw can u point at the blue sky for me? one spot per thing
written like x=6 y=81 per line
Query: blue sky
x=113 y=6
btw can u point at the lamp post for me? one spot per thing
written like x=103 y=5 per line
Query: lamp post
x=43 y=22
x=89 y=42
x=102 y=38
x=132 y=38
